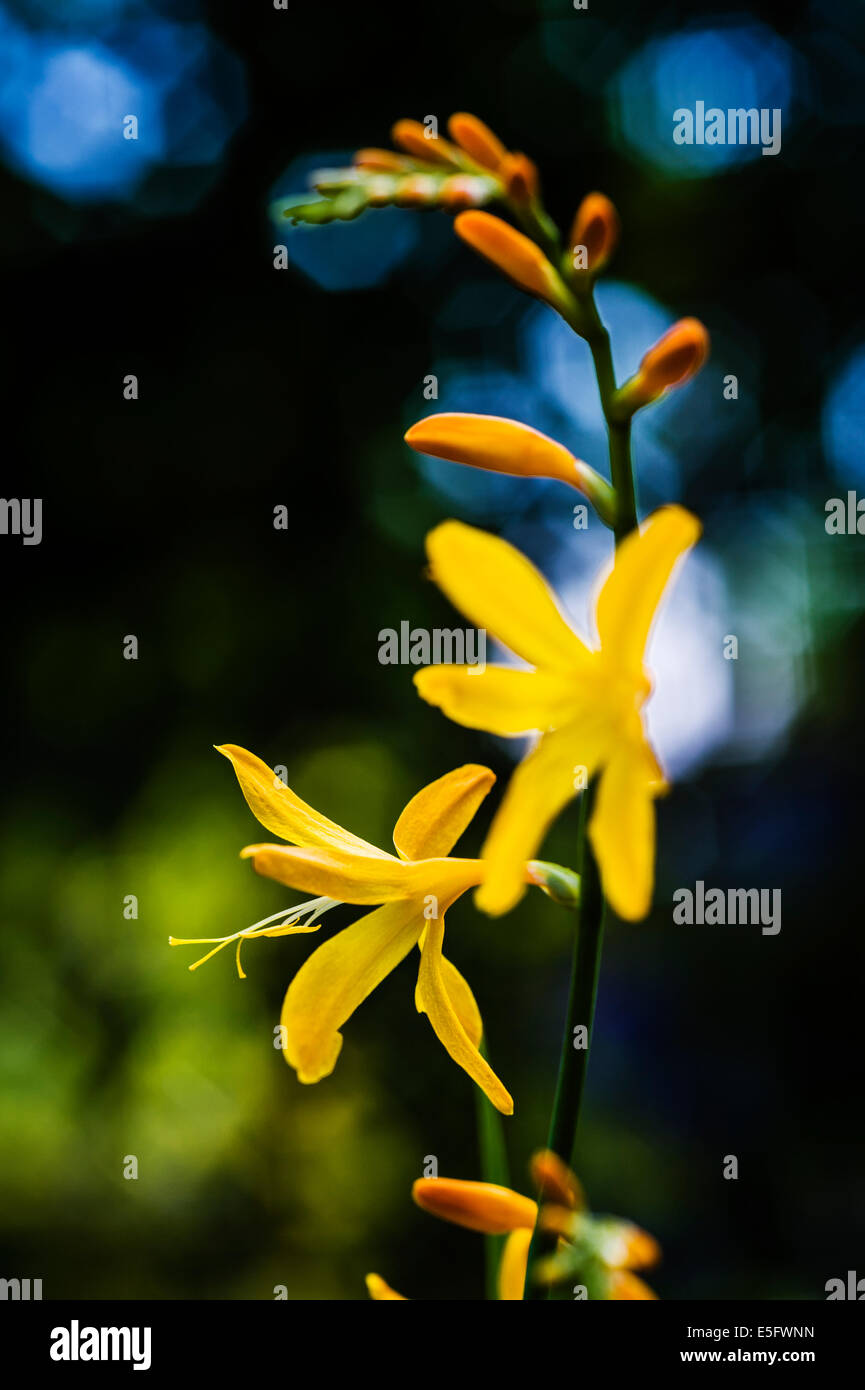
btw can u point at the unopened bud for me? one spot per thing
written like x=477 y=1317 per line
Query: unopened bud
x=518 y=257
x=480 y=1206
x=478 y=141
x=595 y=227
x=673 y=360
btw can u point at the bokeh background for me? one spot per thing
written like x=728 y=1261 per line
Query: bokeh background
x=260 y=388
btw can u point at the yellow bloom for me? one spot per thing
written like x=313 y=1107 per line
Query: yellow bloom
x=415 y=887
x=585 y=703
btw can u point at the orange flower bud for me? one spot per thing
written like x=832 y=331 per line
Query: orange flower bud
x=596 y=227
x=624 y=1285
x=520 y=177
x=480 y=1206
x=412 y=137
x=478 y=141
x=506 y=446
x=381 y=1292
x=516 y=255
x=673 y=360
x=382 y=161
x=555 y=1181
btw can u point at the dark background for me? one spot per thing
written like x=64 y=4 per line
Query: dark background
x=260 y=388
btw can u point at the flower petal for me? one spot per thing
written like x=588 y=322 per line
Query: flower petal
x=643 y=565
x=514 y=1265
x=283 y=813
x=541 y=787
x=336 y=979
x=500 y=699
x=497 y=588
x=479 y=1206
x=436 y=817
x=433 y=998
x=332 y=873
x=380 y=1292
x=622 y=832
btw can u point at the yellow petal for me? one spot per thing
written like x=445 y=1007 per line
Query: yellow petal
x=436 y=817
x=432 y=998
x=489 y=441
x=283 y=813
x=479 y=1206
x=541 y=787
x=476 y=138
x=622 y=832
x=643 y=565
x=513 y=1266
x=499 y=699
x=330 y=873
x=499 y=589
x=380 y=1292
x=337 y=978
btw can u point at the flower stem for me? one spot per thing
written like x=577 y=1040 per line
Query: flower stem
x=574 y=1058
x=494 y=1168
x=586 y=958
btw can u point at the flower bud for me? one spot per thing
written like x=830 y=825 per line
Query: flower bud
x=596 y=227
x=520 y=177
x=625 y=1246
x=479 y=1206
x=478 y=141
x=382 y=161
x=555 y=1182
x=674 y=359
x=412 y=137
x=506 y=446
x=517 y=256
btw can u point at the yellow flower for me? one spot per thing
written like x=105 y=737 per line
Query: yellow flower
x=585 y=703
x=415 y=887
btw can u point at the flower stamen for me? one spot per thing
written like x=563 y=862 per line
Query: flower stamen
x=287 y=922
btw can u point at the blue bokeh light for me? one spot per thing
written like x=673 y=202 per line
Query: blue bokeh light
x=729 y=66
x=340 y=255
x=67 y=93
x=843 y=421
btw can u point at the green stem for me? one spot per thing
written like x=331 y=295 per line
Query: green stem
x=586 y=959
x=573 y=1060
x=495 y=1169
